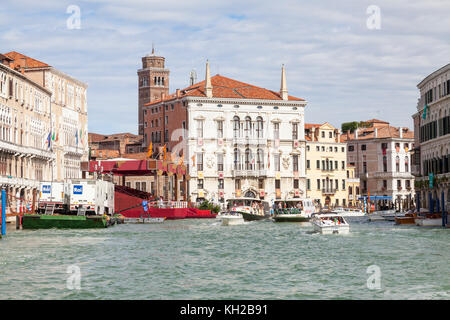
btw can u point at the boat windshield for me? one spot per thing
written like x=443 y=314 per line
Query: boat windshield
x=286 y=207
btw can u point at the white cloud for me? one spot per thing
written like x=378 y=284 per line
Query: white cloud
x=333 y=61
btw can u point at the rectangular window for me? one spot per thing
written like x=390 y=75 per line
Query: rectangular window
x=144 y=186
x=277 y=184
x=219 y=129
x=343 y=165
x=295 y=183
x=199 y=161
x=138 y=186
x=220 y=162
x=343 y=184
x=363 y=147
x=200 y=184
x=276 y=130
x=295 y=162
x=276 y=159
x=351 y=148
x=307 y=164
x=221 y=184
x=199 y=128
x=237 y=184
x=318 y=184
x=318 y=164
x=308 y=184
x=261 y=184
x=294 y=131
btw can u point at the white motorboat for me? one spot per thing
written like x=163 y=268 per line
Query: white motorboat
x=293 y=210
x=250 y=208
x=330 y=223
x=349 y=212
x=231 y=219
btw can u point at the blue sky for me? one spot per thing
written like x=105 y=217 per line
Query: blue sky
x=343 y=69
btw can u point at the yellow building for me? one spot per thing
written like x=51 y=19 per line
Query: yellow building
x=326 y=165
x=353 y=187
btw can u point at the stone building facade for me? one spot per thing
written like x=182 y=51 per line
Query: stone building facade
x=326 y=165
x=26 y=156
x=69 y=120
x=237 y=139
x=432 y=139
x=381 y=155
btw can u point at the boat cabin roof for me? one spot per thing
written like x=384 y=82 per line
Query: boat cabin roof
x=292 y=200
x=246 y=198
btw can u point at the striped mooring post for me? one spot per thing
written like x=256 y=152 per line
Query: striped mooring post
x=3 y=212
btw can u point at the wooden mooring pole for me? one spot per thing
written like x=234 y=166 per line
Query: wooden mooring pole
x=3 y=212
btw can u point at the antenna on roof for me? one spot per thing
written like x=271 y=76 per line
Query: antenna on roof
x=153 y=48
x=192 y=77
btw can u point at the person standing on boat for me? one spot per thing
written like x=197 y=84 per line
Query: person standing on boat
x=161 y=201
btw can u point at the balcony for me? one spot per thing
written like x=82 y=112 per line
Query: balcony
x=77 y=151
x=328 y=191
x=249 y=173
x=390 y=175
x=18 y=182
x=249 y=141
x=25 y=150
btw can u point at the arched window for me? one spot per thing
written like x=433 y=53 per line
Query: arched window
x=236 y=126
x=237 y=159
x=248 y=126
x=260 y=159
x=397 y=164
x=259 y=127
x=248 y=159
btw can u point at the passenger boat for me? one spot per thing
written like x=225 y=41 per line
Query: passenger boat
x=293 y=210
x=330 y=223
x=251 y=209
x=349 y=212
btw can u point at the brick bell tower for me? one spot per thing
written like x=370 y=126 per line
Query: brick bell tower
x=153 y=80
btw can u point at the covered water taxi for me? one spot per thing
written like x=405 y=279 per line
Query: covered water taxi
x=293 y=210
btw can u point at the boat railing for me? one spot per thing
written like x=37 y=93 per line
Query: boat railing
x=288 y=211
x=169 y=204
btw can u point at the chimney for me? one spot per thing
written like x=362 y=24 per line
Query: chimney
x=338 y=135
x=313 y=135
x=163 y=95
x=208 y=85
x=178 y=93
x=401 y=132
x=376 y=132
x=356 y=133
x=283 y=89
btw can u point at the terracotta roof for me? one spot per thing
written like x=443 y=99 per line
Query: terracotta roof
x=29 y=62
x=95 y=137
x=312 y=125
x=382 y=132
x=224 y=87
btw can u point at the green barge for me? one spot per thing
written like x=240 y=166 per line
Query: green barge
x=47 y=221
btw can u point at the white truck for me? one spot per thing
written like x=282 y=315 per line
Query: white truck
x=95 y=197
x=53 y=194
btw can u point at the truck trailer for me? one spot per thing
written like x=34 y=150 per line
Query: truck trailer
x=54 y=195
x=94 y=197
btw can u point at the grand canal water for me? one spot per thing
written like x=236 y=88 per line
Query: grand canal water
x=199 y=259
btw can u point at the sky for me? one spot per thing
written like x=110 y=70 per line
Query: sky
x=349 y=61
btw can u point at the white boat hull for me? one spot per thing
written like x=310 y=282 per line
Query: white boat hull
x=232 y=220
x=428 y=222
x=333 y=229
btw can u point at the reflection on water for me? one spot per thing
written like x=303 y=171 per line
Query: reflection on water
x=200 y=259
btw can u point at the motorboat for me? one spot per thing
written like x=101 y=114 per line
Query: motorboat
x=349 y=212
x=429 y=220
x=251 y=209
x=231 y=219
x=293 y=210
x=330 y=223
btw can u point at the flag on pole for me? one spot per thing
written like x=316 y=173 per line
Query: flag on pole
x=150 y=150
x=165 y=152
x=53 y=137
x=424 y=115
x=76 y=136
x=49 y=139
x=193 y=161
x=268 y=160
x=57 y=137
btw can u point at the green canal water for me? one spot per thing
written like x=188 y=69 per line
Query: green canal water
x=200 y=259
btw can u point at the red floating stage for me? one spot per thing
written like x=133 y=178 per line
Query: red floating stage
x=128 y=201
